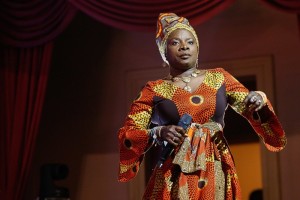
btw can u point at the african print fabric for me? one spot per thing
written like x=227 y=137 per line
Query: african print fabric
x=202 y=167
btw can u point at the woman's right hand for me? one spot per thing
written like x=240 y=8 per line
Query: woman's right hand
x=172 y=134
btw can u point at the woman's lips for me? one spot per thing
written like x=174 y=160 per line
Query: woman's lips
x=185 y=56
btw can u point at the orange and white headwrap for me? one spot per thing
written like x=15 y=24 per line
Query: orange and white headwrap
x=166 y=24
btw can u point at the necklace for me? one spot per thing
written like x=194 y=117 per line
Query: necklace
x=185 y=79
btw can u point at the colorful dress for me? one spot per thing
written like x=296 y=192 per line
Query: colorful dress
x=202 y=167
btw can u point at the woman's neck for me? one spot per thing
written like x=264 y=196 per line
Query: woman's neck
x=182 y=73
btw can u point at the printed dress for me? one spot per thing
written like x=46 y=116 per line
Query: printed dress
x=202 y=167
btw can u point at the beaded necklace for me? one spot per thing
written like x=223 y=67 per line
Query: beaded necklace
x=185 y=79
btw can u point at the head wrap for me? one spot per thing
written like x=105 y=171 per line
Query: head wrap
x=166 y=24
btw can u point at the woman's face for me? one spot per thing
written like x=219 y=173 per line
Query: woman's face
x=181 y=50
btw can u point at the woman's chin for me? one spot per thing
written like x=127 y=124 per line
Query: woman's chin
x=186 y=66
x=183 y=65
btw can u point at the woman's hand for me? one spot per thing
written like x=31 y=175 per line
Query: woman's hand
x=254 y=101
x=172 y=134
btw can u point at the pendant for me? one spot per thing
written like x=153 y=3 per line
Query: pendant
x=186 y=79
x=187 y=88
x=175 y=79
x=197 y=71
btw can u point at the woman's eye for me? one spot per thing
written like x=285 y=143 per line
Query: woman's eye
x=191 y=42
x=174 y=43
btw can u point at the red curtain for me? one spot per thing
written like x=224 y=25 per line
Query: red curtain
x=137 y=15
x=27 y=30
x=32 y=23
x=291 y=6
x=23 y=78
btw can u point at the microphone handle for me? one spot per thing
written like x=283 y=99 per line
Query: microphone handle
x=184 y=122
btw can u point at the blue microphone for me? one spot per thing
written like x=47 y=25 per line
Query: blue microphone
x=184 y=122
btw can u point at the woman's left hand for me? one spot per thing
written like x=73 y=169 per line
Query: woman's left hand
x=254 y=101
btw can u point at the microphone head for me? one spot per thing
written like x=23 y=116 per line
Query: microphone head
x=185 y=121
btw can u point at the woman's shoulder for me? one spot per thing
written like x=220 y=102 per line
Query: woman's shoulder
x=219 y=71
x=153 y=83
x=216 y=70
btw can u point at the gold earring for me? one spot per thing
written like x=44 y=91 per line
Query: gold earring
x=165 y=64
x=196 y=64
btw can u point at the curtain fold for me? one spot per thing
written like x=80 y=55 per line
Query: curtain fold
x=23 y=80
x=32 y=23
x=27 y=30
x=291 y=6
x=136 y=15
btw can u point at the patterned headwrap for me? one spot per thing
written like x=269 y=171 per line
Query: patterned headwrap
x=166 y=24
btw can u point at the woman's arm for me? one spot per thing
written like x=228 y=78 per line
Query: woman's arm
x=134 y=135
x=260 y=115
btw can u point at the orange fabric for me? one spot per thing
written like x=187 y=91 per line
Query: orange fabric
x=218 y=177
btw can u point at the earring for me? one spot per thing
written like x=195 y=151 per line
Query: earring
x=164 y=64
x=196 y=64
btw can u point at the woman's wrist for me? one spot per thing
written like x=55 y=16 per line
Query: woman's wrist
x=154 y=137
x=155 y=133
x=158 y=131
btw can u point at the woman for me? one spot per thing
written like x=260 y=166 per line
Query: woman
x=201 y=165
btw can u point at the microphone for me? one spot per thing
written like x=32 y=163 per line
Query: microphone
x=184 y=122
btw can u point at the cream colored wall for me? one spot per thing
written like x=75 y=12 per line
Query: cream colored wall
x=86 y=98
x=248 y=164
x=95 y=183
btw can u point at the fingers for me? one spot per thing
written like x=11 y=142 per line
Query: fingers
x=175 y=141
x=259 y=105
x=179 y=130
x=175 y=138
x=173 y=134
x=250 y=98
x=253 y=101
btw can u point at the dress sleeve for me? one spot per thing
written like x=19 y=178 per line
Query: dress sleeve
x=133 y=136
x=264 y=122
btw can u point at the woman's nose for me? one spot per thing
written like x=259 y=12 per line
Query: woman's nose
x=184 y=47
